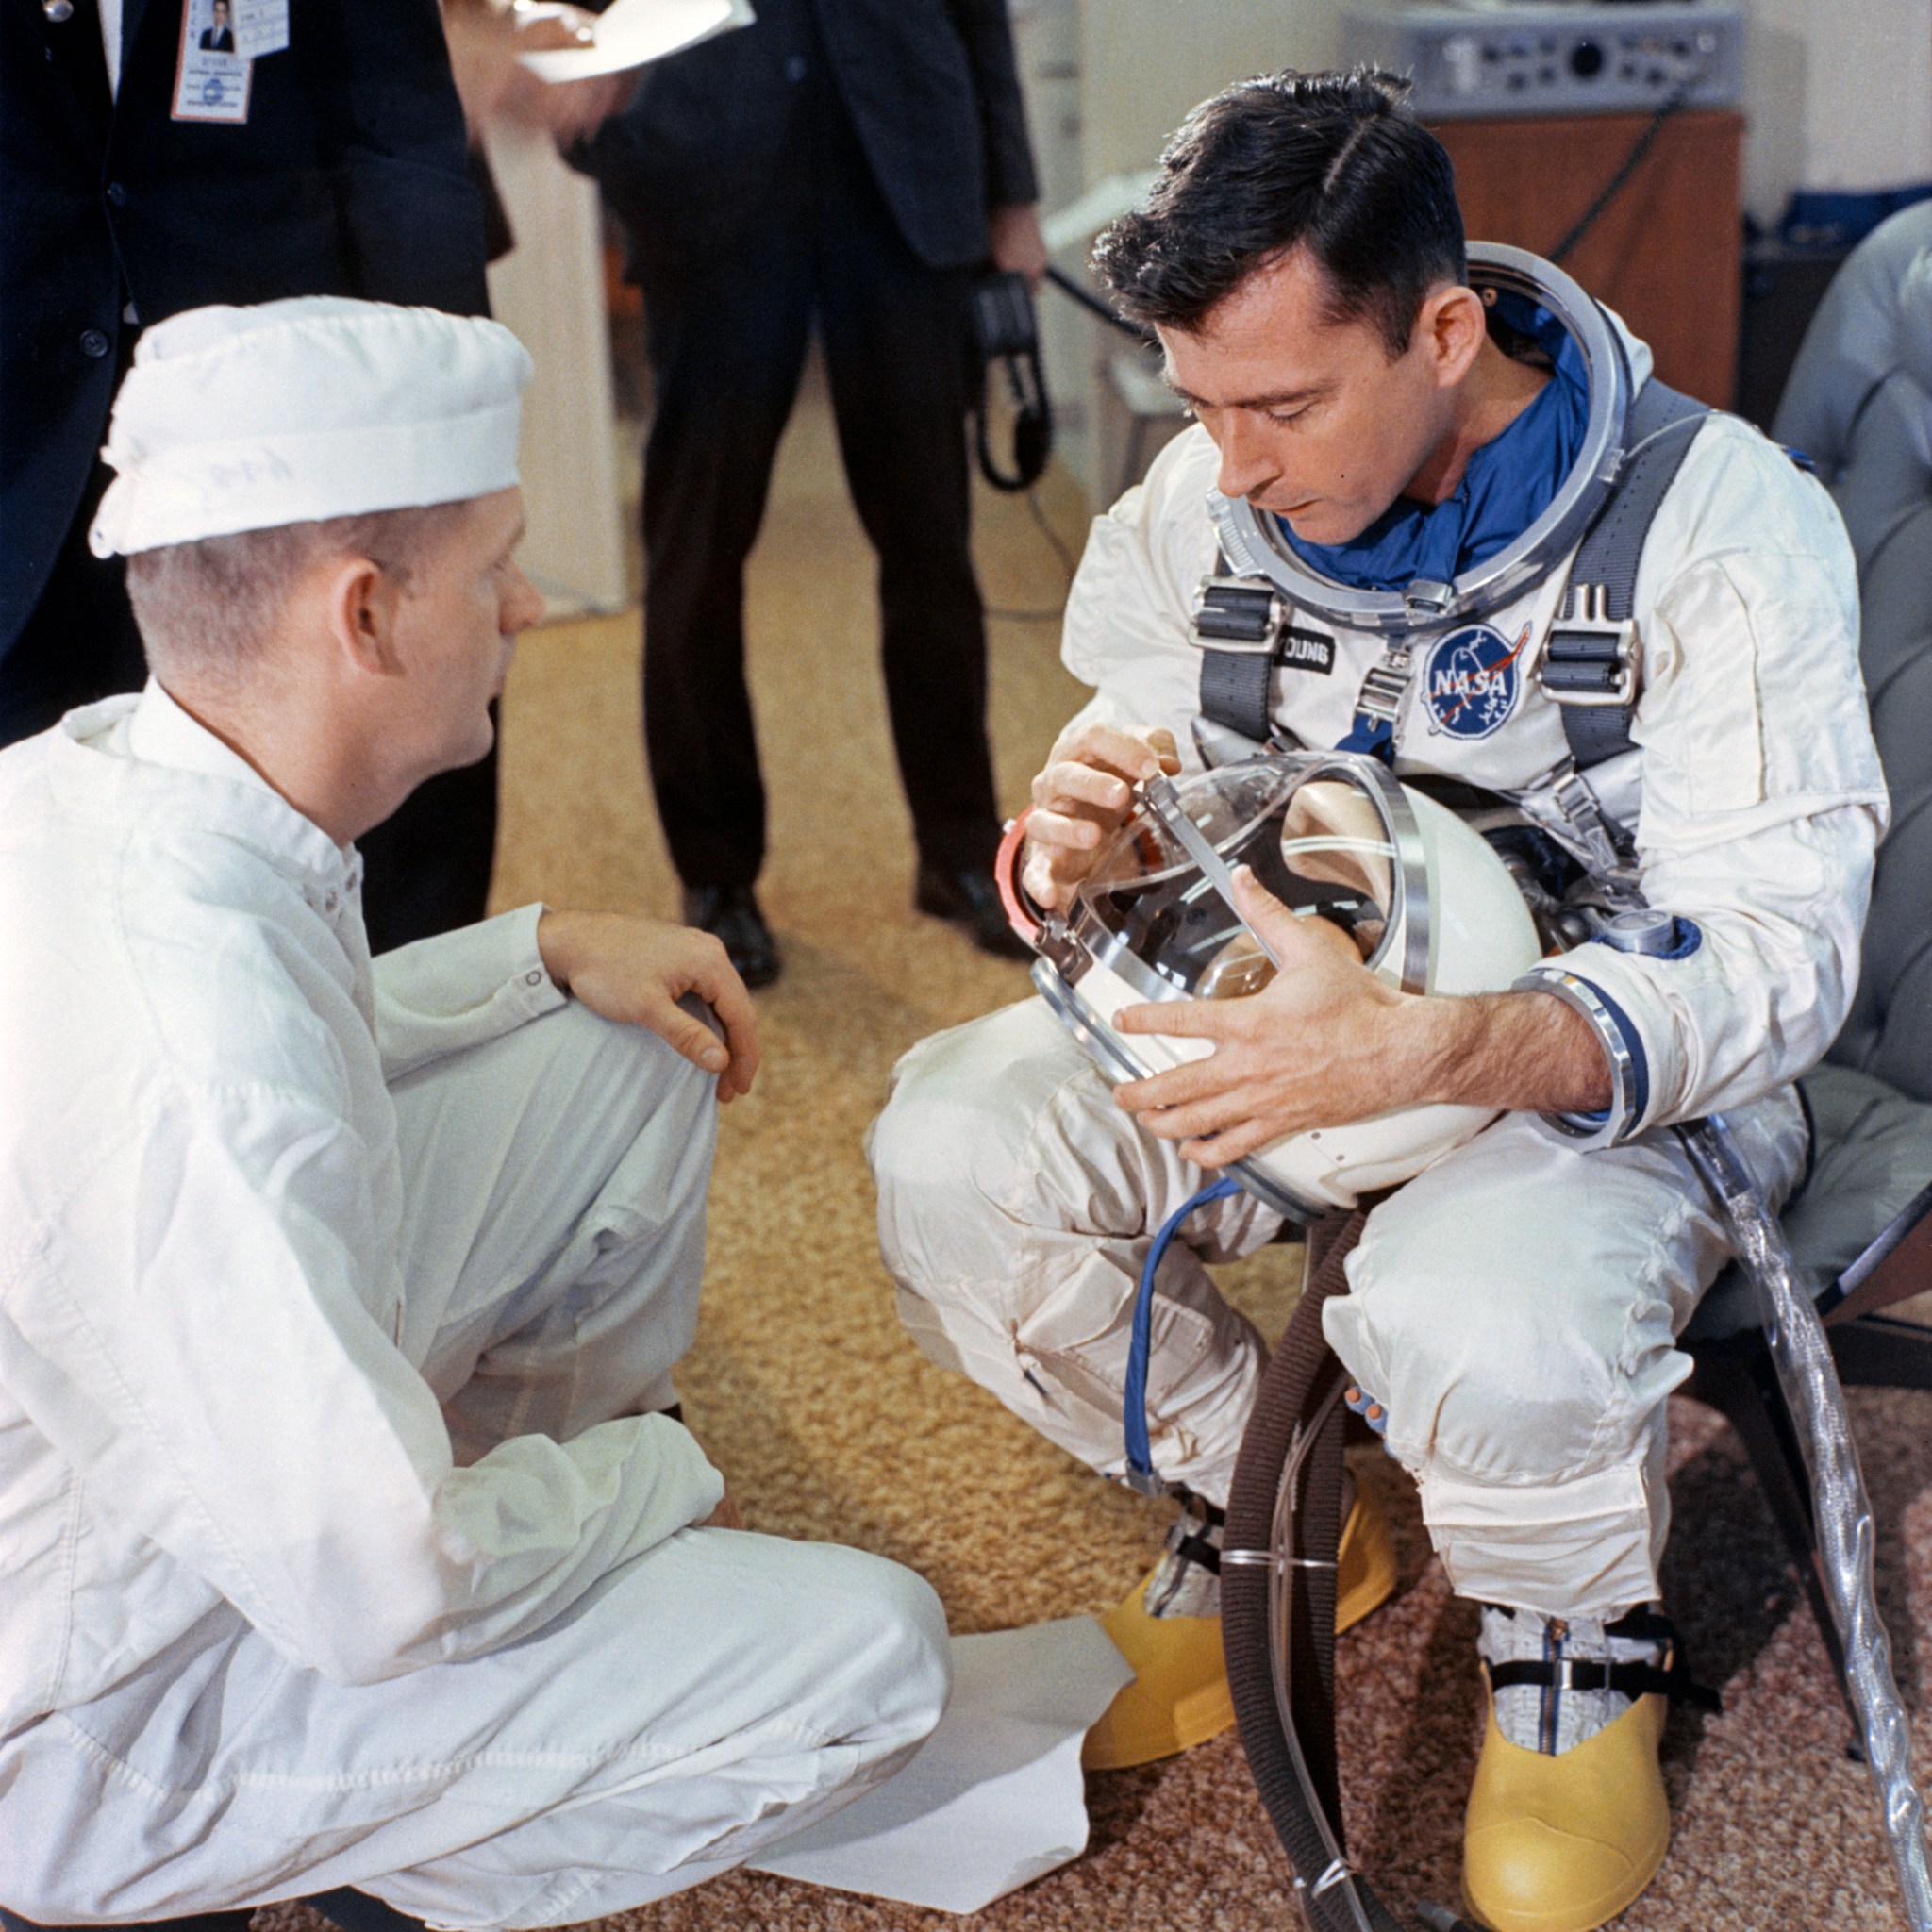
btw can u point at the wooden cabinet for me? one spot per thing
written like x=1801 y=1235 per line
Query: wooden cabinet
x=1666 y=254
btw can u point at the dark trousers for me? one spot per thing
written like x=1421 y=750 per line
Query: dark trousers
x=427 y=870
x=728 y=339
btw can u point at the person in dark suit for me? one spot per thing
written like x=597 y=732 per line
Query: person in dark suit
x=220 y=38
x=849 y=163
x=348 y=177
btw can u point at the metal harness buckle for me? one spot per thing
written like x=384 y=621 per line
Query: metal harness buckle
x=1380 y=697
x=1239 y=614
x=1591 y=658
x=1578 y=804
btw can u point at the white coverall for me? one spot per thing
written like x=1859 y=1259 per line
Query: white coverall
x=339 y=1544
x=1515 y=1307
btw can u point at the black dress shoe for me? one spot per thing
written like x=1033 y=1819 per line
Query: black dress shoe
x=732 y=912
x=969 y=899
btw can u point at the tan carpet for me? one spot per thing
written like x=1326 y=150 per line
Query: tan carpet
x=828 y=1423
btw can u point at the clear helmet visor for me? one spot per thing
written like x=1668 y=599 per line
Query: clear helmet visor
x=1382 y=872
x=1326 y=837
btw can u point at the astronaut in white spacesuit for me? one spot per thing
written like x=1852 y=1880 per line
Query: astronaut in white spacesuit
x=1512 y=1312
x=349 y=1531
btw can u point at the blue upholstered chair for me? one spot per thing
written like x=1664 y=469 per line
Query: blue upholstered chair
x=1859 y=405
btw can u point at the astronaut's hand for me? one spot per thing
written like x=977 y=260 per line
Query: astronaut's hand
x=1326 y=1042
x=635 y=971
x=1083 y=795
x=1320 y=1046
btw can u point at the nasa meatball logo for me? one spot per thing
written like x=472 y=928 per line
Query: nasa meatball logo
x=1470 y=682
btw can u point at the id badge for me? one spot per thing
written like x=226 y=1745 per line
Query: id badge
x=261 y=26
x=220 y=42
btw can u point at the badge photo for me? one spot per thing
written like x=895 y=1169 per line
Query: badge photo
x=211 y=77
x=1472 y=680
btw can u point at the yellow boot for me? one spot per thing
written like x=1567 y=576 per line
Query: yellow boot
x=1563 y=1841
x=1179 y=1696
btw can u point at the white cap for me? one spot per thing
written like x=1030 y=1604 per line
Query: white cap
x=289 y=413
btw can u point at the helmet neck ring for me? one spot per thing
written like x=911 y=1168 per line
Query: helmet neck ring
x=1251 y=538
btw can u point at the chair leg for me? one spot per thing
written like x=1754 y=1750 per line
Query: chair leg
x=1737 y=1378
x=1881 y=1352
x=351 y=1910
x=359 y=1912
x=196 y=1921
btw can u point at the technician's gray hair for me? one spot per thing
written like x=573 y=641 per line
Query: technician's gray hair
x=205 y=610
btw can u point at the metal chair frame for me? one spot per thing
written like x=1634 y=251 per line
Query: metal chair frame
x=1871 y=1350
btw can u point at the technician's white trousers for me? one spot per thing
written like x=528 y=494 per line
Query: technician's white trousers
x=1515 y=1309
x=708 y=1697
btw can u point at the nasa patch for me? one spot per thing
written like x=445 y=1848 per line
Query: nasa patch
x=1470 y=681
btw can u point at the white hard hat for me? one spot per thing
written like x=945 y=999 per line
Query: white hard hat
x=1429 y=905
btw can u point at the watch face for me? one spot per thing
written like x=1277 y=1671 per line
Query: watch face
x=1321 y=845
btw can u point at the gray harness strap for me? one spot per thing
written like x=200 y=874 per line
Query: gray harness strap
x=1589 y=660
x=1245 y=627
x=1591 y=657
x=1238 y=622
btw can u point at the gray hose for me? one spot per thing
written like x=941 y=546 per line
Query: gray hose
x=1840 y=1508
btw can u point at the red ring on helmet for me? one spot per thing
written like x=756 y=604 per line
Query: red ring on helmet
x=1006 y=873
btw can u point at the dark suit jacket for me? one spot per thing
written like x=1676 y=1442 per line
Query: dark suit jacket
x=930 y=86
x=350 y=179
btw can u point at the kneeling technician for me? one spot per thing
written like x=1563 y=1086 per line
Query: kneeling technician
x=349 y=1532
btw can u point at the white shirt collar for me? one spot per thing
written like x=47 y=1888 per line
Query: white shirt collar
x=159 y=732
x=154 y=732
x=111 y=43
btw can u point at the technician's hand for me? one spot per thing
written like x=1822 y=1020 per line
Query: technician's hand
x=1015 y=243
x=546 y=27
x=724 y=1516
x=1083 y=795
x=635 y=971
x=486 y=43
x=1317 y=1046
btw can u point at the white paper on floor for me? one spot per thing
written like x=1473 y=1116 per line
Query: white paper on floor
x=994 y=1798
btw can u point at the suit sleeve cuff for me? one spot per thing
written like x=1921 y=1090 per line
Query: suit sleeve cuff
x=1624 y=1053
x=461 y=988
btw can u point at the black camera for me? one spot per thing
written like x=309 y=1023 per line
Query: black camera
x=1006 y=332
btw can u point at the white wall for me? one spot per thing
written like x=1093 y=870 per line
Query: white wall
x=550 y=289
x=1839 y=94
x=1145 y=62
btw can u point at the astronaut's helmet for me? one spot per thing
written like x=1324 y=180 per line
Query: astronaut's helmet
x=1423 y=899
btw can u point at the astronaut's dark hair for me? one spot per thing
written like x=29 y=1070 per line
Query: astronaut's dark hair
x=1335 y=162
